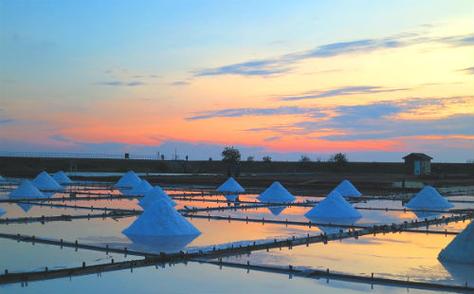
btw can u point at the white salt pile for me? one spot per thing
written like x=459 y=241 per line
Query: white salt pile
x=231 y=189
x=334 y=206
x=160 y=219
x=461 y=249
x=140 y=189
x=128 y=180
x=153 y=195
x=45 y=182
x=153 y=244
x=428 y=198
x=276 y=193
x=62 y=178
x=346 y=189
x=26 y=190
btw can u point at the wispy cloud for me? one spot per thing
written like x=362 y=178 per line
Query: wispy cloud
x=460 y=40
x=239 y=112
x=249 y=68
x=342 y=91
x=121 y=83
x=469 y=70
x=381 y=120
x=180 y=83
x=283 y=63
x=6 y=120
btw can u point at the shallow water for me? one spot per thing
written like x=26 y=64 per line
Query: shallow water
x=109 y=231
x=394 y=255
x=391 y=255
x=31 y=210
x=196 y=278
x=20 y=256
x=296 y=213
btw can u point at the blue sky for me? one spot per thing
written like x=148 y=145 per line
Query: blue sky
x=306 y=77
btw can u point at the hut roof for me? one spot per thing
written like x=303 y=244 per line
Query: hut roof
x=417 y=156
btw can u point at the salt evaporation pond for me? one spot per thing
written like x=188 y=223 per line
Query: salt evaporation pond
x=398 y=256
x=197 y=278
x=17 y=210
x=296 y=213
x=21 y=256
x=393 y=255
x=109 y=231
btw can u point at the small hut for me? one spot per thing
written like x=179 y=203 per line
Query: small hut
x=418 y=164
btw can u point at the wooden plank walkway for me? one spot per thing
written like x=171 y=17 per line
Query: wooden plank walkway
x=211 y=253
x=373 y=279
x=54 y=218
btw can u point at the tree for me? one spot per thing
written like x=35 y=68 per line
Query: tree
x=339 y=158
x=267 y=158
x=231 y=154
x=305 y=158
x=250 y=158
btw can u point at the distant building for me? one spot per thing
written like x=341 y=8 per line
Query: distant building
x=418 y=164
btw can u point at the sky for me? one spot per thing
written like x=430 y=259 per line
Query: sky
x=372 y=79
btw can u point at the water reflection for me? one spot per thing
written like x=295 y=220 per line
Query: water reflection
x=334 y=221
x=25 y=207
x=159 y=244
x=276 y=210
x=420 y=214
x=460 y=273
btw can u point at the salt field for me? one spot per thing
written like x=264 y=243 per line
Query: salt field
x=205 y=146
x=99 y=232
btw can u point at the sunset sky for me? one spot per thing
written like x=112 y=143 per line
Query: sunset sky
x=373 y=79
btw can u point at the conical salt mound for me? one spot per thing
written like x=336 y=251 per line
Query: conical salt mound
x=158 y=244
x=26 y=190
x=153 y=195
x=161 y=219
x=333 y=206
x=428 y=198
x=276 y=193
x=44 y=181
x=61 y=178
x=140 y=189
x=346 y=189
x=231 y=186
x=461 y=249
x=231 y=189
x=128 y=180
